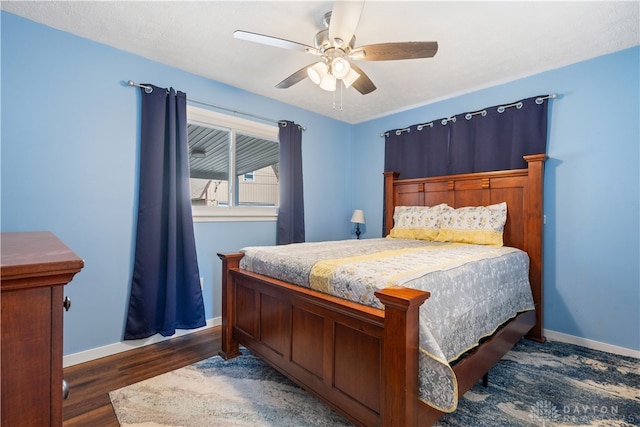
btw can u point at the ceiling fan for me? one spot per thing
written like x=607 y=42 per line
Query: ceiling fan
x=335 y=47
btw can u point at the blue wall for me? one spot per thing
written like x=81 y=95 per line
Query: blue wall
x=70 y=140
x=69 y=163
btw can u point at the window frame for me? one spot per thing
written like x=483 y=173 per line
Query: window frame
x=205 y=117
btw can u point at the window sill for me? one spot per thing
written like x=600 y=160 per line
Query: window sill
x=233 y=214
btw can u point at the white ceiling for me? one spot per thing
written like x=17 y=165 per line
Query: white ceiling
x=481 y=44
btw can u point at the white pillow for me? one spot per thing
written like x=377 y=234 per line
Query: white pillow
x=482 y=225
x=417 y=222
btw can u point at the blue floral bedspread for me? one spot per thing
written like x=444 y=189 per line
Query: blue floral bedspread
x=474 y=289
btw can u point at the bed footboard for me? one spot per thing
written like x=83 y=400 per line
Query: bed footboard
x=361 y=361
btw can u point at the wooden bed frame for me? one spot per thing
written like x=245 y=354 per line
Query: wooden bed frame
x=362 y=361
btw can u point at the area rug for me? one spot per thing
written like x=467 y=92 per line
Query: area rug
x=550 y=384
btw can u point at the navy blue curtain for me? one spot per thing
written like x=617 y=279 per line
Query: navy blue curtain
x=498 y=137
x=165 y=287
x=462 y=149
x=495 y=138
x=418 y=151
x=290 y=228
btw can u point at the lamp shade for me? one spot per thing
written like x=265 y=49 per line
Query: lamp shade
x=317 y=71
x=328 y=83
x=340 y=68
x=350 y=78
x=358 y=217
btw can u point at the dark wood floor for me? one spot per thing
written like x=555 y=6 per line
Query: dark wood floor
x=90 y=383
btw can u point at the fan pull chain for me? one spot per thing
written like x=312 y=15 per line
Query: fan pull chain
x=334 y=97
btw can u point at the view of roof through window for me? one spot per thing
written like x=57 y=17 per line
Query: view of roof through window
x=255 y=168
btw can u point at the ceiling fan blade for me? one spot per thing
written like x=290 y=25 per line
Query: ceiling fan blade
x=394 y=51
x=294 y=78
x=344 y=21
x=273 y=41
x=363 y=84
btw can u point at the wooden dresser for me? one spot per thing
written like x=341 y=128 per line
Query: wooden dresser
x=34 y=268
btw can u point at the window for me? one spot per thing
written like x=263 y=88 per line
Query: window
x=223 y=146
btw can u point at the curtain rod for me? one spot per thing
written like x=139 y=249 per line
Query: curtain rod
x=539 y=100
x=149 y=89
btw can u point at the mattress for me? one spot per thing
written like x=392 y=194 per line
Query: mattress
x=474 y=290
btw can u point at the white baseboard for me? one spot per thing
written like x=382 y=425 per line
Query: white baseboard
x=594 y=345
x=108 y=350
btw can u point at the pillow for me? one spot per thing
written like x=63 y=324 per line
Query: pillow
x=417 y=222
x=481 y=225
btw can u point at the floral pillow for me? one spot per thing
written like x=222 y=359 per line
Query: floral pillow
x=417 y=222
x=481 y=225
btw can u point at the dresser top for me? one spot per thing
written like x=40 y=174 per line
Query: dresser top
x=37 y=253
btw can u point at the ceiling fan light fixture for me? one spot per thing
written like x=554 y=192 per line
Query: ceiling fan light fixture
x=317 y=72
x=328 y=83
x=350 y=78
x=340 y=68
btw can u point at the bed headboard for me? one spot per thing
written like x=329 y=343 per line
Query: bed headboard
x=522 y=189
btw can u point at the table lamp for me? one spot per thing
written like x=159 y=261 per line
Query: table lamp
x=358 y=218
